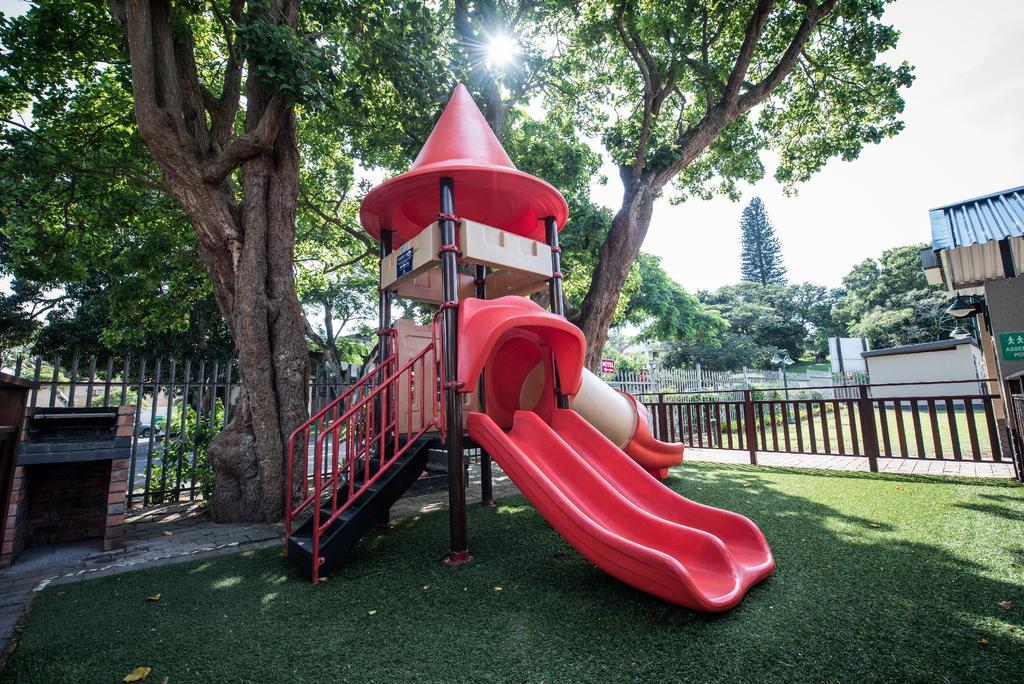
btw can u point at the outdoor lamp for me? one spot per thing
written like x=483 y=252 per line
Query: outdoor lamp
x=782 y=359
x=963 y=306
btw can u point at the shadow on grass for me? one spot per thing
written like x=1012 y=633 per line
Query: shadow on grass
x=849 y=601
x=995 y=510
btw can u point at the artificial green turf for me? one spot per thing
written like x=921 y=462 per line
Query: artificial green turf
x=879 y=577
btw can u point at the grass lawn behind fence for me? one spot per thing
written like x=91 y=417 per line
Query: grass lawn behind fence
x=799 y=430
x=883 y=578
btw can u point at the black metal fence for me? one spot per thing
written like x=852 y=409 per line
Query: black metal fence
x=179 y=406
x=873 y=425
x=1017 y=400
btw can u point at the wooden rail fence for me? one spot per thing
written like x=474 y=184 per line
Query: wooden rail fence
x=956 y=427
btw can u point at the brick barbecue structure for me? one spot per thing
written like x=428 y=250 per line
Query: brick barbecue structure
x=71 y=479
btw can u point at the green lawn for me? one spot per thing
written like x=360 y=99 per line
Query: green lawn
x=879 y=578
x=927 y=433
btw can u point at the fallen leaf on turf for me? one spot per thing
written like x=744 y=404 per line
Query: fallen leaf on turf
x=425 y=587
x=136 y=675
x=322 y=579
x=746 y=484
x=154 y=597
x=372 y=612
x=1005 y=605
x=168 y=533
x=497 y=588
x=899 y=488
x=874 y=525
x=983 y=641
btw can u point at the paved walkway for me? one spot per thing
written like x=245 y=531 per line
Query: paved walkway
x=905 y=466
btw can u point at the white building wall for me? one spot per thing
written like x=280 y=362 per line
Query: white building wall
x=848 y=349
x=960 y=363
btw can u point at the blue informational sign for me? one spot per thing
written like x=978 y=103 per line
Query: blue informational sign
x=403 y=262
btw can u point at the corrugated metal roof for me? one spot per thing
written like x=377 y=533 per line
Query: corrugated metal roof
x=979 y=220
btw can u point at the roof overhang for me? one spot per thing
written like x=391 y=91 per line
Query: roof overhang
x=977 y=240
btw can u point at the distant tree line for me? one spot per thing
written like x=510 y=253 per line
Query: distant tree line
x=886 y=300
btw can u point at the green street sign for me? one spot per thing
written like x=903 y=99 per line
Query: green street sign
x=1012 y=346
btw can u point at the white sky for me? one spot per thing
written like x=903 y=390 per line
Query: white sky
x=964 y=137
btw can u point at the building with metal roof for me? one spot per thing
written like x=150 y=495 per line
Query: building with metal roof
x=976 y=240
x=977 y=255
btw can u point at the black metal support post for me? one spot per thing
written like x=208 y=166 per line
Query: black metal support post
x=555 y=284
x=383 y=352
x=459 y=550
x=384 y=302
x=486 y=485
x=555 y=290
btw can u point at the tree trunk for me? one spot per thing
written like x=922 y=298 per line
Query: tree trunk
x=247 y=247
x=269 y=336
x=614 y=258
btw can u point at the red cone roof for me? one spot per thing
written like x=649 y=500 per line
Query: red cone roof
x=488 y=187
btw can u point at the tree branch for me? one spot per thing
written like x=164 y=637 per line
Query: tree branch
x=788 y=60
x=257 y=141
x=731 y=104
x=746 y=53
x=313 y=207
x=312 y=334
x=225 y=109
x=644 y=66
x=349 y=262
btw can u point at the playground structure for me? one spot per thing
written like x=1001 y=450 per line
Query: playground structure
x=465 y=230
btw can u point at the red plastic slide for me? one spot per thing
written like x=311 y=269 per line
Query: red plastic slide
x=622 y=519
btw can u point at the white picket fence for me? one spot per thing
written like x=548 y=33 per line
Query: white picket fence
x=699 y=380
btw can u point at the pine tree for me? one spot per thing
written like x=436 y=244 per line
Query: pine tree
x=761 y=256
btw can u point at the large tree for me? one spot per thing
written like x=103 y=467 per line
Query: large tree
x=689 y=92
x=889 y=301
x=763 y=320
x=239 y=189
x=760 y=250
x=200 y=103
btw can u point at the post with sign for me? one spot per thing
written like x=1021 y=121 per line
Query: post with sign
x=1011 y=346
x=608 y=366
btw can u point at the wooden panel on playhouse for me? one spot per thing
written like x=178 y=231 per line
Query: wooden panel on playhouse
x=412 y=339
x=519 y=266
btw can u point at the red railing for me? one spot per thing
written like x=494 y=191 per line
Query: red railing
x=305 y=436
x=384 y=419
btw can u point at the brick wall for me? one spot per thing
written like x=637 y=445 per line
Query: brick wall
x=60 y=502
x=66 y=501
x=14 y=532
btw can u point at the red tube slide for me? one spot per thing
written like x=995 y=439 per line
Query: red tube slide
x=631 y=526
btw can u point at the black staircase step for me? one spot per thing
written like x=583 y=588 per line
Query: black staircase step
x=371 y=507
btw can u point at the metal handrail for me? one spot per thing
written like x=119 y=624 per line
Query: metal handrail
x=290 y=511
x=360 y=447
